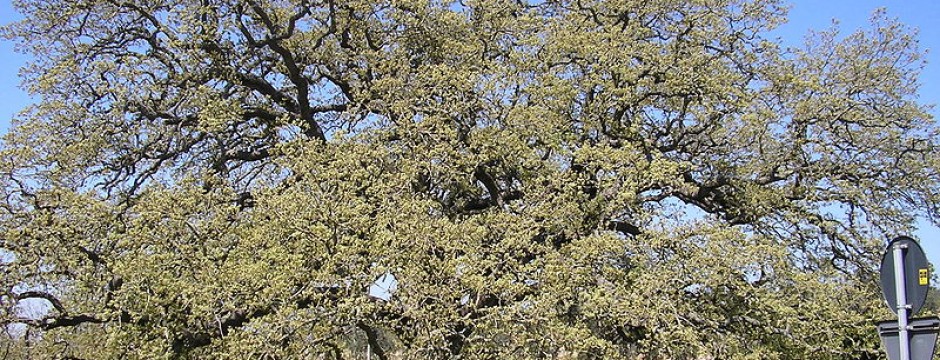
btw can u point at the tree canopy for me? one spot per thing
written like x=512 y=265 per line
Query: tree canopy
x=590 y=179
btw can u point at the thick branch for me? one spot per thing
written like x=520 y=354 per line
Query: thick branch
x=237 y=319
x=54 y=322
x=373 y=338
x=489 y=183
x=294 y=73
x=41 y=295
x=625 y=228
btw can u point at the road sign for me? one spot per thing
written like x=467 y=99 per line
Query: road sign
x=923 y=333
x=916 y=275
x=905 y=279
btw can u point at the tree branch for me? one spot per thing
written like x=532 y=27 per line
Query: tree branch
x=373 y=338
x=41 y=295
x=625 y=228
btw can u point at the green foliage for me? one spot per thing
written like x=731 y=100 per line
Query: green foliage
x=554 y=179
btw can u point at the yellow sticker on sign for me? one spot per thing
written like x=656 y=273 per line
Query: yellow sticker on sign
x=923 y=279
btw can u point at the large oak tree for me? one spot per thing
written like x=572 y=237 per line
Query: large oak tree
x=544 y=179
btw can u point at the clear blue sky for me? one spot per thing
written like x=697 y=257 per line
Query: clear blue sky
x=923 y=15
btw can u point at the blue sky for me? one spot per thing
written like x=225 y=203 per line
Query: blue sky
x=804 y=15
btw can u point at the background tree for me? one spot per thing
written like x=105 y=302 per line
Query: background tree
x=557 y=179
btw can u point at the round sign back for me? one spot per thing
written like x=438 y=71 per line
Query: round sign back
x=916 y=274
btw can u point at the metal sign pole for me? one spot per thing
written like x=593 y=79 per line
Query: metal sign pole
x=905 y=280
x=903 y=306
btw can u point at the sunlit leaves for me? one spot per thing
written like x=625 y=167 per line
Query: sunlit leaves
x=587 y=179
